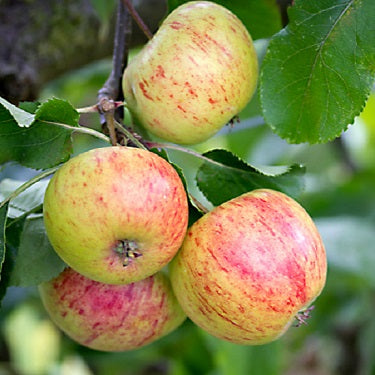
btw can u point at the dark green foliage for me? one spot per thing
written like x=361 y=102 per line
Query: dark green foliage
x=319 y=70
x=36 y=141
x=224 y=176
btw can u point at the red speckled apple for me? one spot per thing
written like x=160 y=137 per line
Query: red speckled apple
x=116 y=214
x=249 y=266
x=198 y=72
x=112 y=317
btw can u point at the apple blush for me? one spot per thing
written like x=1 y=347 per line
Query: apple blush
x=112 y=317
x=247 y=268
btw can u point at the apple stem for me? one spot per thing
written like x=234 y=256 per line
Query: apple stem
x=129 y=135
x=127 y=250
x=110 y=121
x=137 y=18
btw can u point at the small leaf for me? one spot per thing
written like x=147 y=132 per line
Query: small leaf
x=318 y=71
x=44 y=143
x=36 y=260
x=57 y=110
x=348 y=241
x=23 y=118
x=224 y=176
x=30 y=107
x=3 y=221
x=27 y=200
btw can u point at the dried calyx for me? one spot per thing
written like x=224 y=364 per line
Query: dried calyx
x=127 y=250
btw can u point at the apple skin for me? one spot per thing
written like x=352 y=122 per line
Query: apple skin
x=249 y=266
x=108 y=195
x=198 y=72
x=112 y=317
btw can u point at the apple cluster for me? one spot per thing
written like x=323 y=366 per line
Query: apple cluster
x=118 y=216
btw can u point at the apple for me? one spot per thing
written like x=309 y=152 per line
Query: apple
x=111 y=317
x=199 y=70
x=116 y=214
x=248 y=267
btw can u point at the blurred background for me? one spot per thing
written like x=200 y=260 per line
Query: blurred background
x=339 y=194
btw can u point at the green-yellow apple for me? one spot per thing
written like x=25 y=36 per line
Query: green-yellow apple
x=198 y=72
x=249 y=266
x=112 y=317
x=116 y=214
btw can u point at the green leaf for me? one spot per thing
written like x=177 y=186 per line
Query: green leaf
x=57 y=110
x=13 y=235
x=36 y=260
x=318 y=71
x=44 y=143
x=27 y=200
x=23 y=118
x=30 y=107
x=3 y=221
x=224 y=176
x=262 y=18
x=349 y=244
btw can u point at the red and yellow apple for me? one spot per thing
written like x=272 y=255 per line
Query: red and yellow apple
x=112 y=317
x=198 y=72
x=116 y=214
x=249 y=266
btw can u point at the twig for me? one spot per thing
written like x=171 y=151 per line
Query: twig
x=112 y=86
x=95 y=108
x=111 y=90
x=137 y=18
x=89 y=109
x=283 y=8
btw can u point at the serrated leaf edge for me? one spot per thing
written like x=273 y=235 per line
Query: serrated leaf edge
x=282 y=33
x=253 y=168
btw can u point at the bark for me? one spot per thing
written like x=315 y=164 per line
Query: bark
x=42 y=39
x=283 y=7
